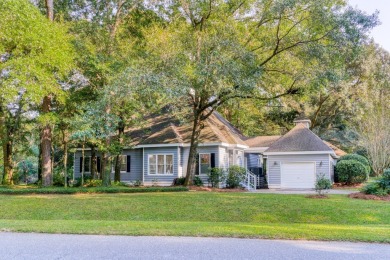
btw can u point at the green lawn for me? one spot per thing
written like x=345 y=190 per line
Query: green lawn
x=199 y=214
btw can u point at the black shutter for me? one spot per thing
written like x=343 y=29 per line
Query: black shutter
x=98 y=165
x=128 y=163
x=81 y=164
x=212 y=160
x=197 y=164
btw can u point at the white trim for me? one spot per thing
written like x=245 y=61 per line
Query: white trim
x=255 y=149
x=165 y=164
x=305 y=152
x=188 y=145
x=155 y=145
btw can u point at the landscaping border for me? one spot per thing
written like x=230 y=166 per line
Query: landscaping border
x=91 y=190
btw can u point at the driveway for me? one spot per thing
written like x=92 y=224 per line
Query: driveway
x=56 y=246
x=303 y=191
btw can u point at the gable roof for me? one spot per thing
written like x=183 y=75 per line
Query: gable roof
x=164 y=128
x=299 y=139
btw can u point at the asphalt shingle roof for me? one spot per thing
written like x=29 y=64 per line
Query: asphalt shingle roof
x=299 y=139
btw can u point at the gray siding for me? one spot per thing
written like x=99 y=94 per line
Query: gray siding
x=274 y=162
x=161 y=180
x=253 y=159
x=332 y=165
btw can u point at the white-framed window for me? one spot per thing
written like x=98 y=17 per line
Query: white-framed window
x=123 y=162
x=204 y=163
x=160 y=163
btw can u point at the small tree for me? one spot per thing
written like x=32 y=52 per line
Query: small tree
x=216 y=176
x=323 y=184
x=235 y=176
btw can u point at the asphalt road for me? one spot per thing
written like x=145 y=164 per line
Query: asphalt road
x=56 y=246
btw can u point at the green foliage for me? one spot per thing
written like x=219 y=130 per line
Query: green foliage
x=322 y=184
x=235 y=176
x=197 y=181
x=39 y=53
x=89 y=190
x=119 y=184
x=351 y=171
x=179 y=181
x=356 y=157
x=137 y=183
x=93 y=183
x=216 y=176
x=380 y=187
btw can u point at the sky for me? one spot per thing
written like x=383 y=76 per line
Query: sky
x=381 y=33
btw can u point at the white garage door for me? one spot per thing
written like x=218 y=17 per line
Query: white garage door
x=298 y=175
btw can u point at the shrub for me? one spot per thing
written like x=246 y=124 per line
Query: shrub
x=322 y=184
x=216 y=176
x=236 y=175
x=62 y=190
x=179 y=181
x=93 y=183
x=58 y=179
x=351 y=171
x=381 y=187
x=363 y=160
x=137 y=183
x=197 y=181
x=119 y=184
x=16 y=178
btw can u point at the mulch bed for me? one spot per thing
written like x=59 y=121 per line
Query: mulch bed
x=360 y=195
x=345 y=186
x=203 y=188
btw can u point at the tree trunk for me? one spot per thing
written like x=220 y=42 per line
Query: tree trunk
x=117 y=176
x=83 y=163
x=8 y=162
x=47 y=174
x=46 y=147
x=49 y=9
x=121 y=130
x=40 y=160
x=65 y=142
x=196 y=129
x=93 y=163
x=106 y=172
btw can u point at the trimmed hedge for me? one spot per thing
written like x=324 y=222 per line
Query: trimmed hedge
x=356 y=157
x=56 y=190
x=351 y=171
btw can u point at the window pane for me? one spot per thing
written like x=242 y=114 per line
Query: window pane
x=123 y=159
x=205 y=158
x=152 y=164
x=87 y=164
x=169 y=164
x=204 y=163
x=160 y=164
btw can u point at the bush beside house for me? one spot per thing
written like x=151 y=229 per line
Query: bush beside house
x=351 y=171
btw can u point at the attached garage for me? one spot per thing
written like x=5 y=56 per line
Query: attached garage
x=296 y=159
x=298 y=175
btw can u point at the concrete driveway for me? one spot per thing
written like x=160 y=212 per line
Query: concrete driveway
x=56 y=246
x=303 y=191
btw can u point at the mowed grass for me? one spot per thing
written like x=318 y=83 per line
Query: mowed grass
x=199 y=214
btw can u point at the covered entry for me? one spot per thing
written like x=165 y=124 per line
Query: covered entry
x=298 y=175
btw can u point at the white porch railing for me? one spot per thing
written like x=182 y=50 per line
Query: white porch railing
x=250 y=181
